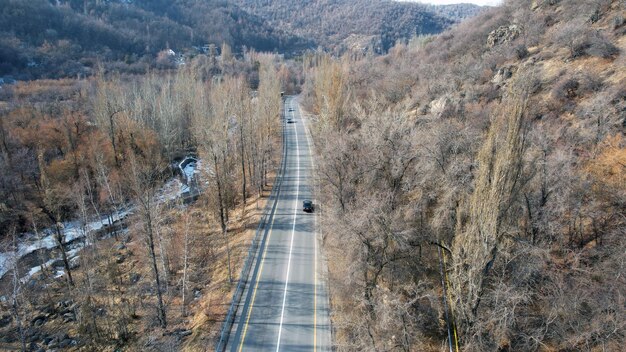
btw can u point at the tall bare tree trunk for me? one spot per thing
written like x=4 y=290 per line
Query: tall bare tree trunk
x=104 y=181
x=16 y=295
x=185 y=265
x=155 y=269
x=59 y=238
x=243 y=166
x=223 y=213
x=112 y=137
x=164 y=259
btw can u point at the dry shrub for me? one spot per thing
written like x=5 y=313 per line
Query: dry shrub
x=601 y=47
x=566 y=89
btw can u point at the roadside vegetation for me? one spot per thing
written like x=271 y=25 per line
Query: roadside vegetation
x=143 y=256
x=487 y=161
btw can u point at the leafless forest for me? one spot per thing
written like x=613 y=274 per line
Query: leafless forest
x=477 y=180
x=471 y=185
x=92 y=164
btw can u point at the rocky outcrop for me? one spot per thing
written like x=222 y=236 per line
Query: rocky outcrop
x=445 y=106
x=440 y=106
x=503 y=34
x=503 y=74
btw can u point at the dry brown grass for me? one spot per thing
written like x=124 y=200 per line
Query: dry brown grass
x=210 y=310
x=134 y=302
x=28 y=90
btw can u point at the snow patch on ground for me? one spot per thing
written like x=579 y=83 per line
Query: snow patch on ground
x=73 y=230
x=189 y=171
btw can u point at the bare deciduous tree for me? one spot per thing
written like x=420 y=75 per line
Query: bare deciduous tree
x=477 y=241
x=145 y=168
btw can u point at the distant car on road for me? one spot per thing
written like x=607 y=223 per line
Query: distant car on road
x=307 y=206
x=290 y=121
x=290 y=109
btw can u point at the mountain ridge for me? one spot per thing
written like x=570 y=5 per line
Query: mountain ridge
x=331 y=22
x=70 y=38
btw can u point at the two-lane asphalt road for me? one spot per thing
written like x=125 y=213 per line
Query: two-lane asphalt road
x=285 y=304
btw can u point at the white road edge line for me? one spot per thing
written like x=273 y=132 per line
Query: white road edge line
x=312 y=180
x=293 y=230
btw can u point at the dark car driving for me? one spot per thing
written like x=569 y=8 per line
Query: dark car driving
x=307 y=206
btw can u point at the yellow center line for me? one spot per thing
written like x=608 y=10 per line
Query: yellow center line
x=256 y=285
x=445 y=273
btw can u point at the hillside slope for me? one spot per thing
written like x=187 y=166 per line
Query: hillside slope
x=492 y=158
x=52 y=39
x=69 y=38
x=337 y=23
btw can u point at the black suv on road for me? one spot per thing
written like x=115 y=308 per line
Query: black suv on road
x=307 y=206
